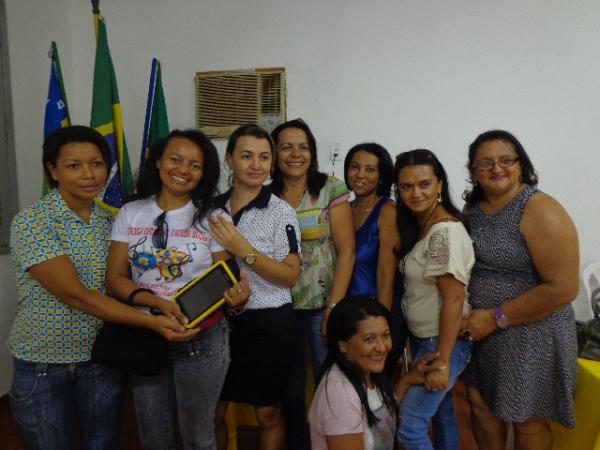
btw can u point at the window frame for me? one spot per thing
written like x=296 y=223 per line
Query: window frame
x=8 y=169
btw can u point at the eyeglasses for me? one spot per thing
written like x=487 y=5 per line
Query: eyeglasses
x=487 y=164
x=161 y=232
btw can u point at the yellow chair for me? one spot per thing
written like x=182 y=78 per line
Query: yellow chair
x=586 y=434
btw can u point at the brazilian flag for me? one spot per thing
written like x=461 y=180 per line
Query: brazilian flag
x=107 y=119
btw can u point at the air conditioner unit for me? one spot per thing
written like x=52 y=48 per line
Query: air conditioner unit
x=230 y=98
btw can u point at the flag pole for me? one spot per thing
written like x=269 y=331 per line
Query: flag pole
x=96 y=15
x=151 y=88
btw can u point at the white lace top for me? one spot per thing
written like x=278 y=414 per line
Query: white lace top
x=446 y=248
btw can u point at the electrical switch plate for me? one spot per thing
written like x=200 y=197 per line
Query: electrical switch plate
x=334 y=152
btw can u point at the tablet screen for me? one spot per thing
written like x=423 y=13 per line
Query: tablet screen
x=205 y=293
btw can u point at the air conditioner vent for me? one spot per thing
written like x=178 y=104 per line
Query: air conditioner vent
x=227 y=99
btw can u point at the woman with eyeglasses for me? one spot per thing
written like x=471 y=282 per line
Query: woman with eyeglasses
x=436 y=257
x=160 y=242
x=369 y=173
x=323 y=211
x=60 y=246
x=264 y=237
x=525 y=277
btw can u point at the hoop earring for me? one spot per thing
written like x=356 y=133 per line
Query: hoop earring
x=230 y=182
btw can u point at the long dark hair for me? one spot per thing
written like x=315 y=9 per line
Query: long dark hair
x=315 y=180
x=406 y=220
x=341 y=326
x=528 y=174
x=385 y=166
x=148 y=182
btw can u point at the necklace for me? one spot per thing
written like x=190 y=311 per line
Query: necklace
x=356 y=206
x=361 y=209
x=294 y=198
x=429 y=217
x=360 y=212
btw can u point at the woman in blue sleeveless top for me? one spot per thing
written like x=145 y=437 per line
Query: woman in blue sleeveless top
x=369 y=173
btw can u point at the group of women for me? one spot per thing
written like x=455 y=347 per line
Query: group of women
x=485 y=291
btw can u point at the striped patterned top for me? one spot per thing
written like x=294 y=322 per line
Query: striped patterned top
x=318 y=250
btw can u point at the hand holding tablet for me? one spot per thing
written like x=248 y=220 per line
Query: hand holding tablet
x=209 y=291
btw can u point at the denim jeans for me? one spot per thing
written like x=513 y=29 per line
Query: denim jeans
x=419 y=405
x=307 y=329
x=52 y=402
x=186 y=391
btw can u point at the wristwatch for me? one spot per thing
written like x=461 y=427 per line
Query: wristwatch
x=251 y=256
x=501 y=320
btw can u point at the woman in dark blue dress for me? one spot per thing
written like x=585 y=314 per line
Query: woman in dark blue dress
x=369 y=173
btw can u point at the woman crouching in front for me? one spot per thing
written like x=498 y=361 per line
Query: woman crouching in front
x=354 y=407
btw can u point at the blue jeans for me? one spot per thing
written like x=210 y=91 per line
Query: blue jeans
x=308 y=330
x=186 y=391
x=419 y=406
x=52 y=402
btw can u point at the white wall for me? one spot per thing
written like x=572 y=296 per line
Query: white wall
x=31 y=26
x=404 y=73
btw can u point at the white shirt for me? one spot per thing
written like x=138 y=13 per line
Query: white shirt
x=446 y=248
x=189 y=246
x=267 y=222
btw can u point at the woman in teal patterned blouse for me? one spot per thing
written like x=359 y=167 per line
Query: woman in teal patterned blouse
x=60 y=246
x=325 y=218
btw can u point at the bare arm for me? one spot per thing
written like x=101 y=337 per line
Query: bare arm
x=58 y=275
x=452 y=292
x=552 y=242
x=387 y=263
x=284 y=273
x=340 y=216
x=416 y=375
x=345 y=442
x=118 y=282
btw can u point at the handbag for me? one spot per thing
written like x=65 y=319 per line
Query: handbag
x=138 y=351
x=588 y=333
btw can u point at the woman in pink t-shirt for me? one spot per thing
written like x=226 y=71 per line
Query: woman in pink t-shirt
x=354 y=407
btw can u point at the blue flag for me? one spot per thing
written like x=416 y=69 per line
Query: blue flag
x=57 y=112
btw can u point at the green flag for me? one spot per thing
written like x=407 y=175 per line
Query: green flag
x=107 y=120
x=156 y=124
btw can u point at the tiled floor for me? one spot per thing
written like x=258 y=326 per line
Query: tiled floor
x=246 y=436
